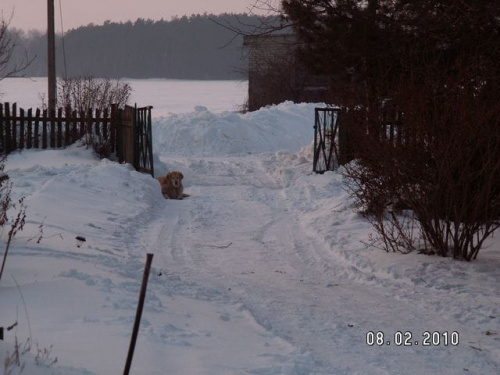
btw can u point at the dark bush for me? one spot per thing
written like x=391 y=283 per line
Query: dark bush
x=439 y=175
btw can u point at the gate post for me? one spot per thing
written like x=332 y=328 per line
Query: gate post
x=134 y=143
x=315 y=153
x=123 y=120
x=128 y=123
x=137 y=141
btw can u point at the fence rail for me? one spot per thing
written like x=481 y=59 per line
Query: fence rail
x=25 y=129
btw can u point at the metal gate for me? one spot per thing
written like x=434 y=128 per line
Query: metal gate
x=134 y=139
x=143 y=140
x=326 y=139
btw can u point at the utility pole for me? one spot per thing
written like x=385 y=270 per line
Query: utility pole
x=51 y=55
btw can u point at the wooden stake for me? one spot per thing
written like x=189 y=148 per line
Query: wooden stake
x=138 y=314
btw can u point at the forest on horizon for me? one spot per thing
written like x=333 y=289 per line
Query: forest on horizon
x=195 y=47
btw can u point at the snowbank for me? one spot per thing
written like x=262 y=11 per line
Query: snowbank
x=286 y=126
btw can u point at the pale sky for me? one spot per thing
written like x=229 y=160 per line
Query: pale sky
x=32 y=14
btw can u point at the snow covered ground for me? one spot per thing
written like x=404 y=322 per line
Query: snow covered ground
x=262 y=270
x=167 y=96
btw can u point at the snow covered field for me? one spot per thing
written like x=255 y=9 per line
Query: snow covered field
x=167 y=96
x=262 y=270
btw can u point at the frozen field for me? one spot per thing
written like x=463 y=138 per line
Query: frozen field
x=260 y=271
x=165 y=95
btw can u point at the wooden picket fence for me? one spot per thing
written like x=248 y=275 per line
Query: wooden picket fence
x=26 y=129
x=123 y=129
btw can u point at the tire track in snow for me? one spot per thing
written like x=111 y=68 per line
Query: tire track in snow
x=237 y=241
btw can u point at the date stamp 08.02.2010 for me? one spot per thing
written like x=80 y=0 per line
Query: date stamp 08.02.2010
x=407 y=338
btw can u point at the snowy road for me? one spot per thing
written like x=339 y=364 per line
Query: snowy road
x=239 y=239
x=262 y=270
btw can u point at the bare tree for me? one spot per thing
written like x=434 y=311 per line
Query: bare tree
x=8 y=45
x=269 y=16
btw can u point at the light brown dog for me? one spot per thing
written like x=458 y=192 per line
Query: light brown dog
x=171 y=185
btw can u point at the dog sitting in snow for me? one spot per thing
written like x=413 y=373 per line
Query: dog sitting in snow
x=171 y=185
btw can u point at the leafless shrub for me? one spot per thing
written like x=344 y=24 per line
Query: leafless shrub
x=82 y=93
x=459 y=132
x=438 y=174
x=43 y=356
x=101 y=147
x=15 y=363
x=380 y=196
x=13 y=360
x=8 y=45
x=6 y=204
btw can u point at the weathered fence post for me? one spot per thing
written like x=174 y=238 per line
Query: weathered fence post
x=138 y=315
x=105 y=122
x=97 y=124
x=67 y=126
x=29 y=135
x=14 y=128
x=88 y=127
x=127 y=135
x=44 y=129
x=37 y=129
x=59 y=136
x=52 y=128
x=7 y=135
x=22 y=120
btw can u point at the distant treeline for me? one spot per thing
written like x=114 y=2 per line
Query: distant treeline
x=195 y=47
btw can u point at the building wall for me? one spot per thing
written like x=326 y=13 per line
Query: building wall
x=275 y=75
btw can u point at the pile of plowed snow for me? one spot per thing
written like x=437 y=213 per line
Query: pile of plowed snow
x=286 y=126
